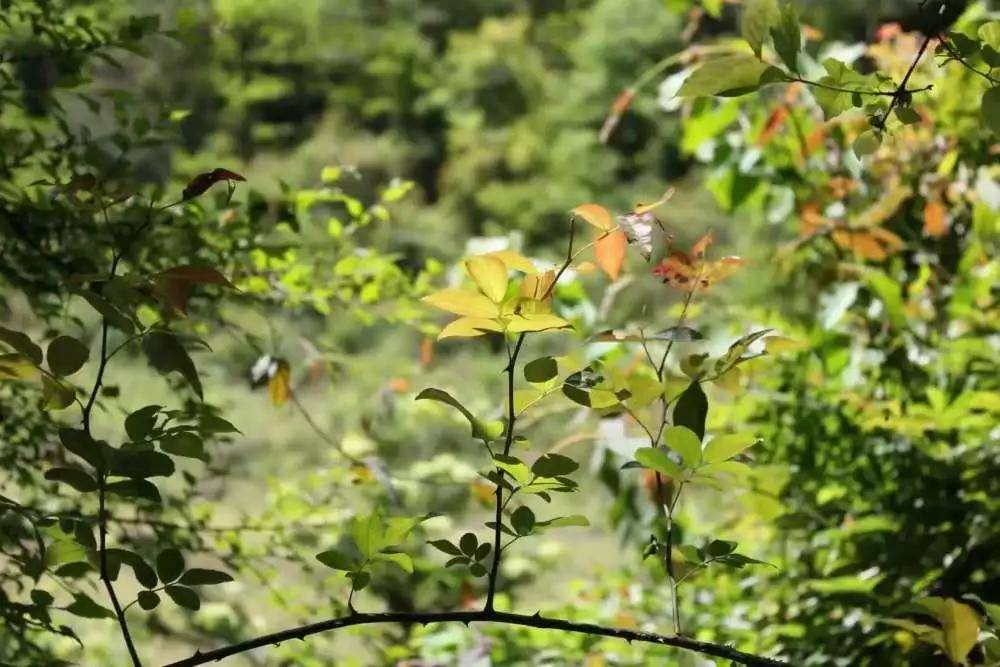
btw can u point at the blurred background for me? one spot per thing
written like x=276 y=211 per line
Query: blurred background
x=384 y=140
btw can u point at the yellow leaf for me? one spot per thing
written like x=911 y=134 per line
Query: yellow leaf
x=641 y=209
x=779 y=344
x=536 y=322
x=469 y=327
x=935 y=219
x=961 y=629
x=462 y=302
x=538 y=285
x=490 y=274
x=17 y=367
x=279 y=386
x=610 y=250
x=514 y=261
x=596 y=215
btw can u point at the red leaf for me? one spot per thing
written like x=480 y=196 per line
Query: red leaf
x=202 y=182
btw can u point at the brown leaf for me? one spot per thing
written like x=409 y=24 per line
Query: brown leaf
x=610 y=251
x=204 y=275
x=202 y=182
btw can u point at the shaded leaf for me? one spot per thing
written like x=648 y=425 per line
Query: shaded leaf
x=74 y=477
x=183 y=597
x=202 y=577
x=691 y=410
x=169 y=565
x=166 y=355
x=21 y=343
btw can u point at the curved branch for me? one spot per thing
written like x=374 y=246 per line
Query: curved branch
x=507 y=618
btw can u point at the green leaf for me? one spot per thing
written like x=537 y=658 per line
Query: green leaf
x=758 y=17
x=183 y=597
x=991 y=109
x=78 y=442
x=166 y=355
x=337 y=560
x=477 y=570
x=184 y=444
x=727 y=76
x=139 y=423
x=169 y=565
x=368 y=533
x=135 y=488
x=359 y=580
x=867 y=143
x=522 y=520
x=16 y=366
x=691 y=410
x=788 y=36
x=577 y=520
x=683 y=441
x=202 y=577
x=148 y=600
x=66 y=355
x=482 y=551
x=906 y=115
x=541 y=370
x=441 y=396
x=446 y=547
x=717 y=548
x=144 y=574
x=42 y=598
x=57 y=395
x=21 y=343
x=961 y=629
x=139 y=463
x=554 y=465
x=401 y=560
x=468 y=543
x=656 y=459
x=513 y=466
x=109 y=312
x=78 y=479
x=84 y=607
x=692 y=554
x=724 y=447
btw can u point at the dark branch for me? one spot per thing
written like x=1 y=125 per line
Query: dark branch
x=535 y=621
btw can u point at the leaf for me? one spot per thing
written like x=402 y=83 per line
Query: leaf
x=446 y=547
x=21 y=343
x=522 y=520
x=468 y=543
x=78 y=442
x=577 y=520
x=596 y=215
x=656 y=459
x=717 y=548
x=148 y=600
x=202 y=577
x=907 y=115
x=788 y=36
x=541 y=370
x=84 y=607
x=135 y=488
x=337 y=560
x=57 y=395
x=401 y=560
x=683 y=441
x=758 y=18
x=513 y=466
x=184 y=444
x=514 y=261
x=961 y=629
x=553 y=465
x=183 y=597
x=469 y=327
x=203 y=275
x=691 y=410
x=279 y=384
x=138 y=463
x=990 y=110
x=867 y=143
x=111 y=314
x=76 y=478
x=935 y=219
x=463 y=302
x=724 y=447
x=490 y=275
x=441 y=396
x=166 y=354
x=138 y=424
x=727 y=76
x=610 y=250
x=202 y=182
x=16 y=366
x=169 y=565
x=535 y=322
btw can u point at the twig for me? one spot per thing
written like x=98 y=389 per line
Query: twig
x=466 y=617
x=901 y=91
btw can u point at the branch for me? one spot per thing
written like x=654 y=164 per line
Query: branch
x=506 y=618
x=901 y=91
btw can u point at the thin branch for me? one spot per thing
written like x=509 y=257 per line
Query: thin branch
x=901 y=91
x=466 y=617
x=956 y=56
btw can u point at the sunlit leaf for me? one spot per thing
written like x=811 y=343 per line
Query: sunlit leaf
x=961 y=629
x=463 y=302
x=490 y=275
x=657 y=459
x=610 y=251
x=727 y=75
x=596 y=215
x=469 y=327
x=279 y=385
x=758 y=18
x=723 y=447
x=536 y=322
x=683 y=441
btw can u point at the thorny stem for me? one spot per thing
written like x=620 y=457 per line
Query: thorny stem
x=511 y=421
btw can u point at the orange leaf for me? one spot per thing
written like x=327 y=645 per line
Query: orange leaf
x=426 y=351
x=773 y=124
x=610 y=250
x=596 y=215
x=615 y=113
x=701 y=245
x=935 y=219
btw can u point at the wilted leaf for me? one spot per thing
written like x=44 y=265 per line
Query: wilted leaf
x=638 y=228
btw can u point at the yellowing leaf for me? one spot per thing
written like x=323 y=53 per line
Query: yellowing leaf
x=935 y=219
x=596 y=215
x=462 y=302
x=778 y=344
x=538 y=286
x=279 y=386
x=536 y=322
x=610 y=250
x=514 y=261
x=469 y=327
x=490 y=275
x=961 y=629
x=17 y=367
